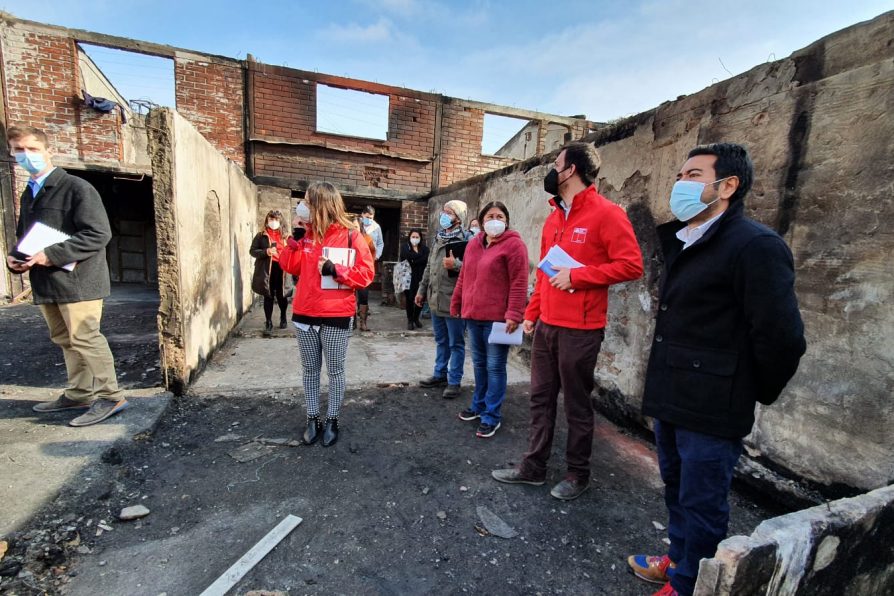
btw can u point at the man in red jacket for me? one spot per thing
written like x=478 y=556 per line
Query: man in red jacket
x=569 y=308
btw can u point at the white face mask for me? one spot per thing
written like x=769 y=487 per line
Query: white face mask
x=302 y=211
x=414 y=241
x=494 y=227
x=273 y=224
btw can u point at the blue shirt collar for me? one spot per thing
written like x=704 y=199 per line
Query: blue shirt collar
x=37 y=183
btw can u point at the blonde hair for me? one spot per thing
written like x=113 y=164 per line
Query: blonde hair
x=326 y=208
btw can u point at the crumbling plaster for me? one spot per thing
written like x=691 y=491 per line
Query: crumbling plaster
x=206 y=216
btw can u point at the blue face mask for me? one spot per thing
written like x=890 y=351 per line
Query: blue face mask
x=366 y=221
x=446 y=221
x=686 y=199
x=34 y=163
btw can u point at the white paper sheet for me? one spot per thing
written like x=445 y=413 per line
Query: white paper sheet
x=498 y=335
x=41 y=236
x=339 y=256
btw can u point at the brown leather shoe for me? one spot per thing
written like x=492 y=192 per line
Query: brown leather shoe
x=569 y=489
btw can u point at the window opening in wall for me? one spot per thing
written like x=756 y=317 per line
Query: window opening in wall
x=352 y=113
x=142 y=81
x=506 y=136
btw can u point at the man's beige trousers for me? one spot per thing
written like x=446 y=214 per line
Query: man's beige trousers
x=74 y=327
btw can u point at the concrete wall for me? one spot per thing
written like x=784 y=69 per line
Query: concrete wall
x=206 y=215
x=820 y=130
x=838 y=548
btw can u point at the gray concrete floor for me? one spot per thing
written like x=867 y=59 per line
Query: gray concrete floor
x=40 y=454
x=386 y=355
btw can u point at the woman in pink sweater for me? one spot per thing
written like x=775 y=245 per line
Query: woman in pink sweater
x=492 y=287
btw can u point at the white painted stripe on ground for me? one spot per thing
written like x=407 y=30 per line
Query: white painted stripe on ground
x=231 y=577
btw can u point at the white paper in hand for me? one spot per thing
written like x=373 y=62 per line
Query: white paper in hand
x=339 y=256
x=41 y=236
x=498 y=335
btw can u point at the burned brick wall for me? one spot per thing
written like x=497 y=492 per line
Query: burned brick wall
x=431 y=141
x=42 y=88
x=210 y=94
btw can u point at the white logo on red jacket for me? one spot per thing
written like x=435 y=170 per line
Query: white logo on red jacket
x=579 y=235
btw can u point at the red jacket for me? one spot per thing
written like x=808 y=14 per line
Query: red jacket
x=301 y=258
x=493 y=283
x=598 y=234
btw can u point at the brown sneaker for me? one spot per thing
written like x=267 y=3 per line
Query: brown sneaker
x=569 y=489
x=658 y=570
x=60 y=404
x=514 y=476
x=99 y=411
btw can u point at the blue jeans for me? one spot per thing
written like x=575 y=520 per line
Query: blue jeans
x=697 y=470
x=450 y=347
x=489 y=363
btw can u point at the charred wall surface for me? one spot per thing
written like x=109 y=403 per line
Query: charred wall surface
x=819 y=127
x=206 y=215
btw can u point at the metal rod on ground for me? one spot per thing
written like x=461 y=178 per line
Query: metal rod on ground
x=231 y=577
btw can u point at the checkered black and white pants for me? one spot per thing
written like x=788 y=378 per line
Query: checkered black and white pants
x=315 y=344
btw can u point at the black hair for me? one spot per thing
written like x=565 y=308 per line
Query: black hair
x=421 y=236
x=369 y=209
x=732 y=160
x=490 y=206
x=585 y=158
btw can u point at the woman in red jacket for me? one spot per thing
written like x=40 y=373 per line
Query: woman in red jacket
x=323 y=317
x=492 y=287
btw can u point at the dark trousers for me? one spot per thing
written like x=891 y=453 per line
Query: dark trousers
x=363 y=297
x=697 y=470
x=275 y=293
x=413 y=311
x=565 y=359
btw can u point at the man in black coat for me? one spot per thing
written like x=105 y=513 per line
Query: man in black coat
x=728 y=334
x=69 y=279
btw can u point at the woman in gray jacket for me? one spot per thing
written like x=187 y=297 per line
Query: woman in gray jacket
x=437 y=284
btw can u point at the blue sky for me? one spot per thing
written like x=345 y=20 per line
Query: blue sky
x=604 y=59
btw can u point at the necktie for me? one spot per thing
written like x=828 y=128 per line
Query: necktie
x=32 y=184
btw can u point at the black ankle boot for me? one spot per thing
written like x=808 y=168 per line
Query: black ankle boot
x=282 y=320
x=330 y=432
x=268 y=328
x=410 y=326
x=312 y=432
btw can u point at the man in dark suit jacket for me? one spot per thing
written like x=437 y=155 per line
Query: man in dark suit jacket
x=728 y=334
x=70 y=300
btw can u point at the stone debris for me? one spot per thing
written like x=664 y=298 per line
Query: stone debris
x=4 y=546
x=494 y=525
x=227 y=437
x=133 y=512
x=266 y=593
x=658 y=525
x=280 y=442
x=104 y=526
x=463 y=489
x=249 y=452
x=442 y=515
x=425 y=490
